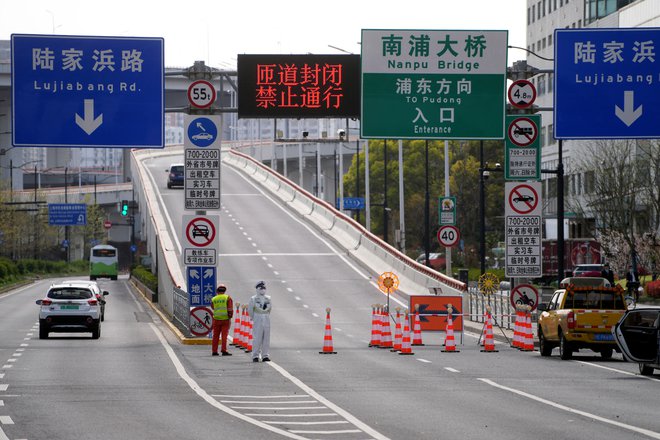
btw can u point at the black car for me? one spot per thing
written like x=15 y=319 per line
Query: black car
x=638 y=336
x=175 y=175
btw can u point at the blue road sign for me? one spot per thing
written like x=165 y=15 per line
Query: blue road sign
x=70 y=91
x=201 y=285
x=67 y=214
x=607 y=84
x=202 y=132
x=353 y=203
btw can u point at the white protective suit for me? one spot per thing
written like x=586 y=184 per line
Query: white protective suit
x=259 y=311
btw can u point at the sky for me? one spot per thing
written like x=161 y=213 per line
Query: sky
x=216 y=31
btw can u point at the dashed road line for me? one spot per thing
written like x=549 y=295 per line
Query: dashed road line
x=453 y=370
x=6 y=420
x=617 y=370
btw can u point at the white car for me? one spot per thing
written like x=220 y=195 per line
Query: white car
x=100 y=294
x=70 y=307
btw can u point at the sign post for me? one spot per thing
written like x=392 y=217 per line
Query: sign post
x=606 y=83
x=523 y=229
x=433 y=84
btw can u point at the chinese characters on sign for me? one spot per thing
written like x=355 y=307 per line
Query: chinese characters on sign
x=523 y=231
x=422 y=84
x=522 y=148
x=298 y=86
x=607 y=83
x=87 y=91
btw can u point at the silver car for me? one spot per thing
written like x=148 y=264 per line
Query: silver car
x=69 y=307
x=100 y=294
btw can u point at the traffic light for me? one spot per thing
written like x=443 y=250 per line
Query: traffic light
x=124 y=208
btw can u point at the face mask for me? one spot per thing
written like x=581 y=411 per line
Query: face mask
x=261 y=291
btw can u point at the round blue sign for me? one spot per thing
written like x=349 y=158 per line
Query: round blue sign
x=202 y=132
x=133 y=248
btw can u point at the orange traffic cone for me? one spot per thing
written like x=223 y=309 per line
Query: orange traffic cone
x=450 y=343
x=517 y=329
x=417 y=328
x=248 y=349
x=375 y=328
x=237 y=326
x=405 y=343
x=241 y=330
x=489 y=340
x=327 y=338
x=387 y=330
x=529 y=336
x=398 y=336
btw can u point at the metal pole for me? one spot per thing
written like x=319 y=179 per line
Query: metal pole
x=427 y=204
x=366 y=186
x=385 y=208
x=447 y=194
x=300 y=164
x=318 y=169
x=341 y=175
x=36 y=215
x=402 y=208
x=66 y=228
x=482 y=210
x=284 y=160
x=560 y=213
x=357 y=174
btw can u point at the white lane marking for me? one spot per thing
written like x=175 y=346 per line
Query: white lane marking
x=281 y=396
x=270 y=266
x=315 y=315
x=278 y=402
x=20 y=350
x=618 y=371
x=19 y=290
x=276 y=273
x=17 y=354
x=424 y=360
x=647 y=432
x=305 y=306
x=345 y=431
x=285 y=254
x=25 y=345
x=3 y=436
x=289 y=289
x=2 y=403
x=6 y=420
x=295 y=415
x=29 y=334
x=6 y=366
x=453 y=370
x=297 y=298
x=254 y=244
x=303 y=224
x=2 y=375
x=181 y=370
x=278 y=408
x=11 y=360
x=327 y=422
x=345 y=414
x=338 y=329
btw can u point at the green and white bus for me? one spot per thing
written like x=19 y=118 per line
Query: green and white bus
x=103 y=262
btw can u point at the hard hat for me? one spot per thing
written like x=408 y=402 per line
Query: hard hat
x=260 y=285
x=221 y=288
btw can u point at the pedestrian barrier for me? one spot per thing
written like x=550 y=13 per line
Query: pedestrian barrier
x=398 y=335
x=489 y=340
x=327 y=337
x=406 y=349
x=417 y=329
x=450 y=343
x=387 y=330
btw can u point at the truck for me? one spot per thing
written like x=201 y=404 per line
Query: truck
x=581 y=314
x=576 y=251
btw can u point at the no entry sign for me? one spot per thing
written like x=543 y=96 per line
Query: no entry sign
x=201 y=321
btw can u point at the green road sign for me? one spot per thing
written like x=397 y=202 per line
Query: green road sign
x=522 y=148
x=447 y=211
x=433 y=84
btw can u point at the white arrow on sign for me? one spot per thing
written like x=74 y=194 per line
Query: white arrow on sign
x=194 y=274
x=209 y=272
x=628 y=115
x=89 y=123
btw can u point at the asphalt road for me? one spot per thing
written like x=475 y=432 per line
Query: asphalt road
x=139 y=382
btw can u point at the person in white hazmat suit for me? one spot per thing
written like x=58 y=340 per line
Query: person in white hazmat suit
x=259 y=311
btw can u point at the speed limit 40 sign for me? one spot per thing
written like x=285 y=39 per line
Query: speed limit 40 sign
x=448 y=236
x=201 y=94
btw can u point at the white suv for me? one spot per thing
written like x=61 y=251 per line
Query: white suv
x=70 y=307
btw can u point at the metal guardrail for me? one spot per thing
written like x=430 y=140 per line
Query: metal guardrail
x=504 y=314
x=181 y=307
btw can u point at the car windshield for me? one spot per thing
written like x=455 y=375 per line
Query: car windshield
x=69 y=293
x=594 y=299
x=176 y=169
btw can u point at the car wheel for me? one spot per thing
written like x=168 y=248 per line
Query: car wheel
x=169 y=186
x=565 y=350
x=114 y=278
x=92 y=278
x=544 y=347
x=606 y=353
x=43 y=332
x=645 y=370
x=96 y=331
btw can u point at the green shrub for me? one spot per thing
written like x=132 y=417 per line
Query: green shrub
x=146 y=277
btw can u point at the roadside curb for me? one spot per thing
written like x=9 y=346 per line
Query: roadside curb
x=166 y=320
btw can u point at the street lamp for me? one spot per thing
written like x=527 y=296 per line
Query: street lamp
x=484 y=173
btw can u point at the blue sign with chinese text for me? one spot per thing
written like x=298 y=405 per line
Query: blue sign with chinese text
x=607 y=83
x=201 y=285
x=67 y=214
x=353 y=203
x=70 y=91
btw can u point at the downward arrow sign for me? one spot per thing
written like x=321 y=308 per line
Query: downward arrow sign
x=628 y=116
x=89 y=124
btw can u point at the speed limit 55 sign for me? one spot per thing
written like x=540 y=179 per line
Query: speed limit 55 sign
x=201 y=94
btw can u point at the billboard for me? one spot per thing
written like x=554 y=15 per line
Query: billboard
x=298 y=86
